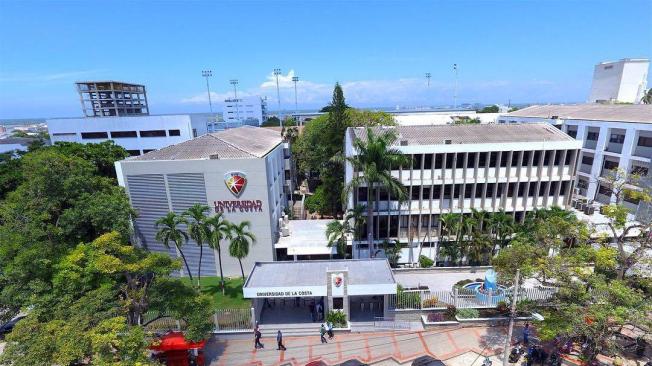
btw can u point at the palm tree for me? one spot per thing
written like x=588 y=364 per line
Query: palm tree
x=198 y=230
x=241 y=238
x=376 y=159
x=502 y=226
x=168 y=231
x=219 y=229
x=355 y=214
x=647 y=98
x=452 y=226
x=336 y=233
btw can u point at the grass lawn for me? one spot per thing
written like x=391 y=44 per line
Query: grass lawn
x=232 y=299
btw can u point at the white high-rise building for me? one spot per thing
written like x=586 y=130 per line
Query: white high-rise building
x=249 y=110
x=622 y=81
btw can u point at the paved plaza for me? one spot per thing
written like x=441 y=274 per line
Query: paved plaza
x=455 y=346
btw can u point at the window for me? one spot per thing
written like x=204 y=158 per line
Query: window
x=503 y=159
x=94 y=135
x=145 y=151
x=362 y=194
x=553 y=188
x=639 y=170
x=526 y=158
x=449 y=161
x=133 y=152
x=510 y=189
x=592 y=136
x=438 y=161
x=459 y=163
x=542 y=188
x=478 y=190
x=645 y=141
x=588 y=160
x=492 y=159
x=604 y=190
x=456 y=194
x=515 y=157
x=123 y=134
x=426 y=193
x=572 y=133
x=436 y=192
x=416 y=192
x=617 y=138
x=468 y=191
x=608 y=164
x=490 y=189
x=482 y=160
x=174 y=132
x=569 y=154
x=416 y=162
x=546 y=157
x=470 y=160
x=447 y=191
x=537 y=157
x=152 y=133
x=531 y=189
x=427 y=161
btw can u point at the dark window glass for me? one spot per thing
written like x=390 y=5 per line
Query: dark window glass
x=416 y=161
x=438 y=160
x=588 y=160
x=546 y=157
x=542 y=188
x=617 y=138
x=504 y=157
x=470 y=160
x=383 y=194
x=537 y=157
x=436 y=192
x=645 y=141
x=569 y=155
x=478 y=190
x=338 y=303
x=416 y=192
x=490 y=189
x=94 y=135
x=123 y=134
x=515 y=157
x=393 y=225
x=564 y=187
x=501 y=189
x=482 y=160
x=427 y=161
x=492 y=159
x=459 y=163
x=521 y=190
x=558 y=154
x=640 y=170
x=532 y=189
x=593 y=136
x=133 y=152
x=553 y=188
x=174 y=132
x=456 y=194
x=604 y=190
x=510 y=189
x=147 y=150
x=449 y=161
x=152 y=133
x=447 y=191
x=608 y=164
x=426 y=193
x=572 y=133
x=526 y=158
x=468 y=191
x=362 y=194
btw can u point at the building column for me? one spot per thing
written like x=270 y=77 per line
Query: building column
x=598 y=160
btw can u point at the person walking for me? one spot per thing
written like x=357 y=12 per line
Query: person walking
x=526 y=334
x=279 y=340
x=330 y=330
x=322 y=332
x=257 y=336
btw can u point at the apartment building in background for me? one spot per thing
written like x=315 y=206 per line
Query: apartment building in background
x=611 y=136
x=239 y=172
x=457 y=168
x=250 y=110
x=112 y=98
x=623 y=81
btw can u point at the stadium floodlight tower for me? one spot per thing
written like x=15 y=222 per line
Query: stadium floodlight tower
x=207 y=74
x=277 y=72
x=295 y=79
x=234 y=82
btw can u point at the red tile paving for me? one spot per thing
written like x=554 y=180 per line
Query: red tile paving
x=365 y=347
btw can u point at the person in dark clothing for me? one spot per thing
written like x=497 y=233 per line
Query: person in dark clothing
x=526 y=334
x=257 y=336
x=279 y=340
x=322 y=332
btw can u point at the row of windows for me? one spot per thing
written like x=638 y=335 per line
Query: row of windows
x=643 y=141
x=522 y=157
x=455 y=191
x=128 y=134
x=137 y=152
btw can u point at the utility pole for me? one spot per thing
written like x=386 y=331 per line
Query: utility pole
x=206 y=74
x=295 y=79
x=277 y=72
x=455 y=94
x=234 y=82
x=428 y=76
x=508 y=341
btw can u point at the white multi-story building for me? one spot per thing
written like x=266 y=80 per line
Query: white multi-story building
x=621 y=81
x=249 y=110
x=239 y=172
x=612 y=136
x=457 y=168
x=137 y=134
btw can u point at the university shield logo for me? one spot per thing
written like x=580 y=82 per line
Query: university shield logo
x=235 y=182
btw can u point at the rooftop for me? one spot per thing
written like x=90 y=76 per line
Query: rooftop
x=244 y=142
x=312 y=273
x=637 y=113
x=307 y=237
x=471 y=133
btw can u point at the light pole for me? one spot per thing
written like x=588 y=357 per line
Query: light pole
x=510 y=330
x=428 y=78
x=455 y=95
x=207 y=74
x=234 y=82
x=295 y=79
x=277 y=72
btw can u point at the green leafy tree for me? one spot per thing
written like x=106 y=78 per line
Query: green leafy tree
x=336 y=233
x=272 y=121
x=647 y=98
x=198 y=229
x=392 y=251
x=489 y=109
x=169 y=231
x=355 y=214
x=502 y=227
x=103 y=155
x=318 y=202
x=373 y=163
x=220 y=229
x=241 y=238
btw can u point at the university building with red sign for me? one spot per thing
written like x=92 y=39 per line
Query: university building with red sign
x=239 y=172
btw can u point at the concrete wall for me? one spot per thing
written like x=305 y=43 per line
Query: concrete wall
x=622 y=81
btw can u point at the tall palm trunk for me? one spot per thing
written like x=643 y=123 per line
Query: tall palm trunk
x=241 y=270
x=370 y=224
x=201 y=254
x=218 y=254
x=183 y=256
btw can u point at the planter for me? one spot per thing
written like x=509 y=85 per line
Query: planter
x=494 y=319
x=424 y=320
x=345 y=329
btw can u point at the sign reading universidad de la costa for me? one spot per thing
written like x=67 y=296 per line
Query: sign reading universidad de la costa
x=236 y=182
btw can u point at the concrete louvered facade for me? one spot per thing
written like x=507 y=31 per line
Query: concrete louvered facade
x=176 y=177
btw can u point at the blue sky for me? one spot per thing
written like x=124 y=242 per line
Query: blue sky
x=526 y=51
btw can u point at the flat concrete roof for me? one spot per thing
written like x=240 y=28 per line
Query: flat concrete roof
x=636 y=113
x=313 y=273
x=307 y=237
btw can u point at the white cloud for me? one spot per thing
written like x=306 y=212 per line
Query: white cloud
x=56 y=76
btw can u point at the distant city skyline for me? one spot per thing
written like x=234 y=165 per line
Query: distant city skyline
x=526 y=52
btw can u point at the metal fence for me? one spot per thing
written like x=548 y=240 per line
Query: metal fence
x=223 y=319
x=389 y=323
x=462 y=298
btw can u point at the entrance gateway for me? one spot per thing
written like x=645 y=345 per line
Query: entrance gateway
x=305 y=291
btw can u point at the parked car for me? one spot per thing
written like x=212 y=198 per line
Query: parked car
x=7 y=327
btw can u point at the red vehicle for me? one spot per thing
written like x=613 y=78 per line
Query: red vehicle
x=174 y=350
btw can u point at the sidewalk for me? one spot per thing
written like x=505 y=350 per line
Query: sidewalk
x=391 y=347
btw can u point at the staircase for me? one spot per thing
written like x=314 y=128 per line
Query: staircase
x=290 y=330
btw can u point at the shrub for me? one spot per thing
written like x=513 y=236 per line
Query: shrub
x=436 y=317
x=425 y=262
x=461 y=283
x=451 y=310
x=502 y=307
x=407 y=300
x=431 y=302
x=338 y=318
x=468 y=313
